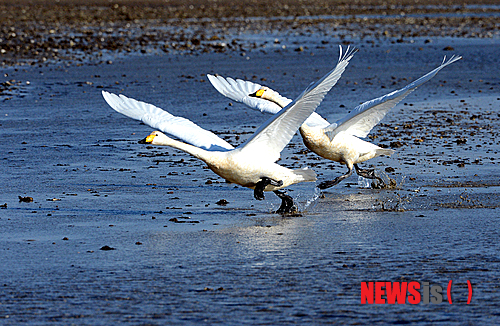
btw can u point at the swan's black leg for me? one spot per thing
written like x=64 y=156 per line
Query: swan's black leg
x=258 y=192
x=328 y=184
x=368 y=173
x=287 y=205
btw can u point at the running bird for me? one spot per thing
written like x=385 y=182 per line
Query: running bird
x=252 y=164
x=338 y=141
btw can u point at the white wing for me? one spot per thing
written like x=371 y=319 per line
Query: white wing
x=239 y=90
x=270 y=139
x=160 y=119
x=364 y=117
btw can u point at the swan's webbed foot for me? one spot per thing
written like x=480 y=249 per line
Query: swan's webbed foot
x=331 y=183
x=258 y=192
x=369 y=174
x=287 y=205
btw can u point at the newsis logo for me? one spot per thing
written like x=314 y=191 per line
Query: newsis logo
x=406 y=292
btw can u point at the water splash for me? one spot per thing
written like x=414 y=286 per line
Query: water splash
x=387 y=182
x=311 y=202
x=364 y=183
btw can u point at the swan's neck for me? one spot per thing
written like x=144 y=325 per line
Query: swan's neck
x=272 y=96
x=197 y=152
x=313 y=137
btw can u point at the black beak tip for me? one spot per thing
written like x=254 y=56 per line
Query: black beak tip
x=142 y=141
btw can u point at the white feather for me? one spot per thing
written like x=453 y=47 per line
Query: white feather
x=364 y=117
x=157 y=118
x=250 y=162
x=337 y=141
x=277 y=132
x=239 y=90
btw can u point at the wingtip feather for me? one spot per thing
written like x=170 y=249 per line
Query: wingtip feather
x=452 y=59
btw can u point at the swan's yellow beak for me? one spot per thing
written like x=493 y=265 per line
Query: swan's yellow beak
x=258 y=93
x=148 y=139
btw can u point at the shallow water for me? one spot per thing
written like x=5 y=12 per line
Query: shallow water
x=181 y=258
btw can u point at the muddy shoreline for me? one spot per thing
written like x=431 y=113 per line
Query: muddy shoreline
x=40 y=32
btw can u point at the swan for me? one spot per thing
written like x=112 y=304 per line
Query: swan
x=337 y=141
x=252 y=164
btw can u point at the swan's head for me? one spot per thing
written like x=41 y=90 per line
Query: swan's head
x=155 y=138
x=269 y=95
x=263 y=93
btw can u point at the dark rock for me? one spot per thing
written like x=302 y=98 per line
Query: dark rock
x=222 y=202
x=26 y=199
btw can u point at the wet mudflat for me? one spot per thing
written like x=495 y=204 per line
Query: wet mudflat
x=118 y=232
x=37 y=31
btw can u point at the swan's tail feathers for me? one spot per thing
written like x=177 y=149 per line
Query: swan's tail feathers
x=305 y=174
x=383 y=151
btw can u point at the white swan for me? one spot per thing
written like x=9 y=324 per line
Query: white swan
x=338 y=141
x=251 y=164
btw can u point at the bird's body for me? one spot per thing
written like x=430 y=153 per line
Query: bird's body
x=344 y=148
x=340 y=141
x=252 y=164
x=236 y=165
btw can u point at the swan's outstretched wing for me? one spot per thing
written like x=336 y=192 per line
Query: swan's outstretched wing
x=364 y=117
x=160 y=119
x=270 y=139
x=239 y=90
